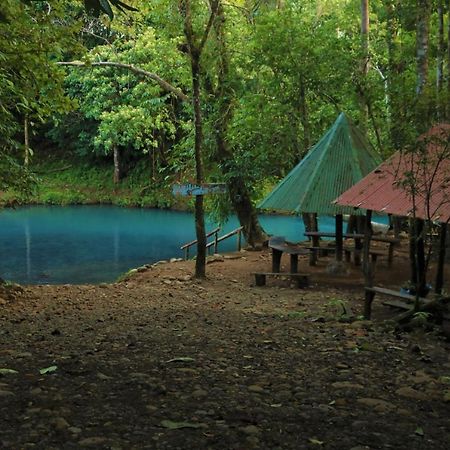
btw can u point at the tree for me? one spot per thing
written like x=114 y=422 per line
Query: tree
x=365 y=58
x=30 y=85
x=196 y=45
x=224 y=96
x=129 y=115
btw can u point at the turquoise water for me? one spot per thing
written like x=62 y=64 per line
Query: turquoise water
x=92 y=244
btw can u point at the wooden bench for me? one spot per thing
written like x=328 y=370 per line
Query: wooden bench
x=301 y=280
x=314 y=252
x=358 y=237
x=374 y=254
x=370 y=293
x=279 y=245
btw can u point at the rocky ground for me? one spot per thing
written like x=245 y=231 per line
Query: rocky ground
x=162 y=361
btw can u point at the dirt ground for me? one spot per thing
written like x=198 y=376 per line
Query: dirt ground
x=164 y=361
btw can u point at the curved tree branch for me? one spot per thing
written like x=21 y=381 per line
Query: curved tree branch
x=164 y=84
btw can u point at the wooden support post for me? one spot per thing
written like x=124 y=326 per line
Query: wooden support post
x=358 y=251
x=339 y=237
x=313 y=253
x=216 y=242
x=391 y=253
x=367 y=264
x=368 y=304
x=441 y=259
x=239 y=240
x=276 y=260
x=294 y=263
x=260 y=279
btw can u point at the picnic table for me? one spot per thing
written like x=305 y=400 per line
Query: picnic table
x=358 y=238
x=279 y=245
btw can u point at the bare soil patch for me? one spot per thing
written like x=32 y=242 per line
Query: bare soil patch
x=162 y=361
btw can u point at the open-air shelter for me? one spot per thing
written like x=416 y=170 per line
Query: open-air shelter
x=414 y=184
x=339 y=160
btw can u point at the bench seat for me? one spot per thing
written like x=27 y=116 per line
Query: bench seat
x=301 y=279
x=371 y=291
x=374 y=254
x=316 y=251
x=279 y=245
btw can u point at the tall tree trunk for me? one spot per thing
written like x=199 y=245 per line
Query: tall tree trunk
x=310 y=222
x=195 y=53
x=239 y=193
x=417 y=255
x=447 y=110
x=364 y=63
x=394 y=71
x=422 y=43
x=413 y=252
x=440 y=54
x=26 y=141
x=117 y=171
x=304 y=118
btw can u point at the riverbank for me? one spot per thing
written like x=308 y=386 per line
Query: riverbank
x=164 y=361
x=71 y=182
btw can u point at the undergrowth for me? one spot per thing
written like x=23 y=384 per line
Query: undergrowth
x=68 y=182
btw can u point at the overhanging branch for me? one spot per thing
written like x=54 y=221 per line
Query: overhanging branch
x=163 y=83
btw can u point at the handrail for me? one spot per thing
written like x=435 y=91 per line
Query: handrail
x=187 y=246
x=216 y=240
x=226 y=236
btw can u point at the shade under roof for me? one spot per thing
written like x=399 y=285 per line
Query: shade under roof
x=339 y=160
x=384 y=189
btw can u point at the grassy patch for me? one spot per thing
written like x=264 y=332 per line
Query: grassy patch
x=66 y=182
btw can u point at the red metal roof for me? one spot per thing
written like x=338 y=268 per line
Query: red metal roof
x=385 y=188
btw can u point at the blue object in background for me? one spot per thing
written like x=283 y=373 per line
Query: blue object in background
x=92 y=244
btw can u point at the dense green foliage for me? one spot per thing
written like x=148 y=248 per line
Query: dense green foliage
x=32 y=36
x=277 y=75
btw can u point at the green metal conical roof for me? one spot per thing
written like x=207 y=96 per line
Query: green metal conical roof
x=339 y=160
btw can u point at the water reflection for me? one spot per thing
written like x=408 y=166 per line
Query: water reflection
x=91 y=244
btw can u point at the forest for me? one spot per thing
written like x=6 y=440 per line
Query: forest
x=115 y=102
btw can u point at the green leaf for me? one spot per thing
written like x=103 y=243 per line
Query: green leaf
x=48 y=370
x=181 y=359
x=419 y=431
x=316 y=441
x=447 y=396
x=7 y=371
x=171 y=425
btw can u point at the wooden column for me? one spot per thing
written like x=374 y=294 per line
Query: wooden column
x=441 y=259
x=339 y=237
x=367 y=264
x=276 y=260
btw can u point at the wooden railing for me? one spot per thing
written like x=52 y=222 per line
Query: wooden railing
x=215 y=243
x=186 y=247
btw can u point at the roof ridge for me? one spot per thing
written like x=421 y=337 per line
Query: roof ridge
x=327 y=138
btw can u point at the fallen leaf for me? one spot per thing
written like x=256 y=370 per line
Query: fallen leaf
x=419 y=431
x=171 y=425
x=7 y=371
x=48 y=370
x=316 y=441
x=181 y=359
x=447 y=396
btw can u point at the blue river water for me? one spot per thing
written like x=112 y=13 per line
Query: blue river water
x=93 y=244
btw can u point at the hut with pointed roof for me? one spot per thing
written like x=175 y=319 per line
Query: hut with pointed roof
x=339 y=160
